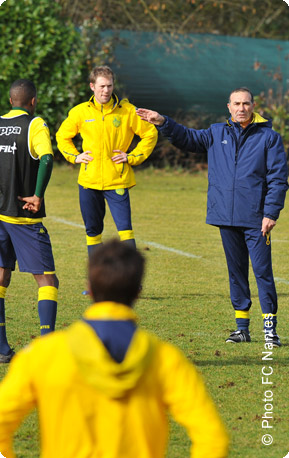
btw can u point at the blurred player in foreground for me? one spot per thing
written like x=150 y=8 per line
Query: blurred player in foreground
x=103 y=386
x=26 y=158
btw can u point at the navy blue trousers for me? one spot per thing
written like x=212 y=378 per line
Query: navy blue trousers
x=92 y=206
x=240 y=243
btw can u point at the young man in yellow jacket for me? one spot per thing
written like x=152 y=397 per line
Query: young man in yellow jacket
x=103 y=386
x=107 y=127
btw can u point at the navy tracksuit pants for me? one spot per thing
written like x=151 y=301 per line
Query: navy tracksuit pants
x=92 y=205
x=240 y=243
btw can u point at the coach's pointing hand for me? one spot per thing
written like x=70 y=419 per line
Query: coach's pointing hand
x=150 y=116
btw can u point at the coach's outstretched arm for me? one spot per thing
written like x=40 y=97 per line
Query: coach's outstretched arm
x=150 y=116
x=180 y=136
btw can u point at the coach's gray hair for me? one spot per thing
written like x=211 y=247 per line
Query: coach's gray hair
x=242 y=89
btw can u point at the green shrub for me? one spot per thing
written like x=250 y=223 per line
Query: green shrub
x=275 y=105
x=40 y=44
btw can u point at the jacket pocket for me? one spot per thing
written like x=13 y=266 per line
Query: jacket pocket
x=219 y=204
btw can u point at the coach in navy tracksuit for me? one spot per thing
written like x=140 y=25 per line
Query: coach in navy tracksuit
x=247 y=171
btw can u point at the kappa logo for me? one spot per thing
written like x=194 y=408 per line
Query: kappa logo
x=10 y=130
x=224 y=142
x=8 y=148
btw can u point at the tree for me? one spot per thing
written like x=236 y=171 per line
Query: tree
x=40 y=44
x=253 y=18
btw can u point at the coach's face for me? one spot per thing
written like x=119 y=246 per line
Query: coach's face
x=102 y=89
x=241 y=107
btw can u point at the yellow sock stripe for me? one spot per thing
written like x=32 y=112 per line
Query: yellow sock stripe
x=2 y=324
x=268 y=315
x=96 y=240
x=47 y=293
x=126 y=235
x=242 y=314
x=2 y=292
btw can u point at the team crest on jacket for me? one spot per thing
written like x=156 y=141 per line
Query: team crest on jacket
x=116 y=121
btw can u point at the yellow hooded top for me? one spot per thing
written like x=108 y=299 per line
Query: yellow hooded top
x=93 y=407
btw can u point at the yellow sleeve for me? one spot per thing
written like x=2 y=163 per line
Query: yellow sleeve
x=66 y=132
x=148 y=138
x=39 y=138
x=189 y=403
x=16 y=400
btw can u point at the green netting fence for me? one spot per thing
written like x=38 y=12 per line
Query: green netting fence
x=195 y=72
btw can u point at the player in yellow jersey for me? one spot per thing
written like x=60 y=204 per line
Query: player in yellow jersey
x=107 y=126
x=26 y=163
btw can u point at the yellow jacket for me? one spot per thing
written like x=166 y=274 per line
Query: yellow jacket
x=90 y=406
x=105 y=128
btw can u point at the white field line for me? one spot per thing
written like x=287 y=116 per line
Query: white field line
x=158 y=246
x=281 y=280
x=153 y=244
x=65 y=221
x=172 y=250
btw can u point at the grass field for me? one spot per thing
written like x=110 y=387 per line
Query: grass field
x=185 y=300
